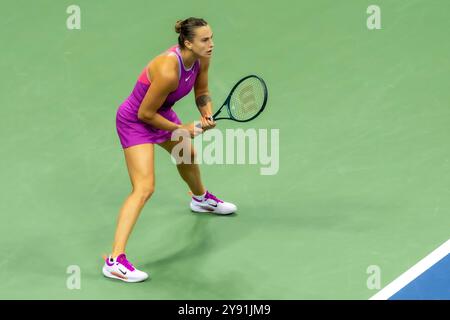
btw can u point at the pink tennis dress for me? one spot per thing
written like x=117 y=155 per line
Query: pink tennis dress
x=133 y=131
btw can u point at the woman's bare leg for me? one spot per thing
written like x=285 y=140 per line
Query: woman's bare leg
x=140 y=164
x=190 y=172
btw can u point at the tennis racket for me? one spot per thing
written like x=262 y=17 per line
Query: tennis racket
x=245 y=102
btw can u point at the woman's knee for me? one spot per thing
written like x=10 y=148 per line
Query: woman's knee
x=144 y=191
x=190 y=158
x=193 y=155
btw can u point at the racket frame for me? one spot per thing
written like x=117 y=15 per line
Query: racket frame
x=227 y=101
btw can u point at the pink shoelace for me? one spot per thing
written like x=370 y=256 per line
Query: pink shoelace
x=211 y=196
x=122 y=259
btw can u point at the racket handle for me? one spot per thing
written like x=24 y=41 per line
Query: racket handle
x=199 y=125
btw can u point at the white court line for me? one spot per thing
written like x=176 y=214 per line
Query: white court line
x=415 y=271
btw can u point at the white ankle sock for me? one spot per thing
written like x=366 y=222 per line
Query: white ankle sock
x=200 y=198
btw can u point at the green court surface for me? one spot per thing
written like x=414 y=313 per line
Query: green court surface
x=363 y=117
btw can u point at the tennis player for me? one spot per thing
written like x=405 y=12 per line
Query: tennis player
x=146 y=118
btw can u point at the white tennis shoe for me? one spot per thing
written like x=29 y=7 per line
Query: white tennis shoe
x=120 y=268
x=210 y=203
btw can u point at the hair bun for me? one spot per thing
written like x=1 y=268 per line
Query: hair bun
x=178 y=26
x=186 y=29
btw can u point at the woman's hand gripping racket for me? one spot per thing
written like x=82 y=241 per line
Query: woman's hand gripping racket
x=245 y=102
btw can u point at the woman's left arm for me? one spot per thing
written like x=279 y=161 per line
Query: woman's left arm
x=202 y=97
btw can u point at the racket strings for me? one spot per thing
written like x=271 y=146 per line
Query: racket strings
x=247 y=99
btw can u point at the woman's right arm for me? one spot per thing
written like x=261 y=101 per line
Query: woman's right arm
x=164 y=81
